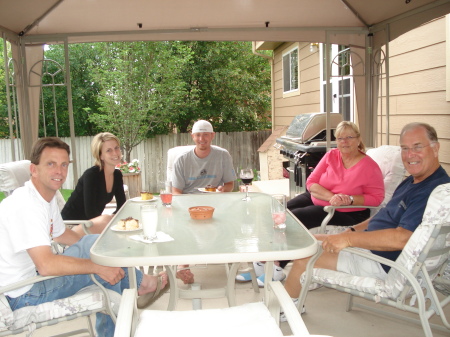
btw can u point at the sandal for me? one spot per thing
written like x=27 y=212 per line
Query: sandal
x=185 y=275
x=145 y=300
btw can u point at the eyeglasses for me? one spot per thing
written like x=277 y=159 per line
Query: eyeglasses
x=341 y=139
x=415 y=148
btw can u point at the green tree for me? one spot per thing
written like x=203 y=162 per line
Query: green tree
x=84 y=91
x=227 y=85
x=140 y=88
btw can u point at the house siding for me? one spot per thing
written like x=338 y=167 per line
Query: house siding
x=417 y=83
x=308 y=100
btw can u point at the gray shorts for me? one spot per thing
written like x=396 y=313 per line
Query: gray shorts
x=360 y=266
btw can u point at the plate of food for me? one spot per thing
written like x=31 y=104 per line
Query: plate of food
x=139 y=199
x=127 y=225
x=209 y=189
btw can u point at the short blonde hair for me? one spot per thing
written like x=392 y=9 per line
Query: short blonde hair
x=350 y=125
x=97 y=143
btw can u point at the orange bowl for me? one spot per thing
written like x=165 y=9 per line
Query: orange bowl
x=201 y=212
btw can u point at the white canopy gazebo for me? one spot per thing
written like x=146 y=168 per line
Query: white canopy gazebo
x=363 y=25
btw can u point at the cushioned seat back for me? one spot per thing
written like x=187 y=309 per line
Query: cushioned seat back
x=172 y=155
x=389 y=159
x=14 y=175
x=419 y=247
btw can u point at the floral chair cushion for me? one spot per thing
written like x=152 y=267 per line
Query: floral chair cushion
x=89 y=298
x=437 y=211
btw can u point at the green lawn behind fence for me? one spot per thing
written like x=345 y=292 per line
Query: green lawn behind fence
x=65 y=193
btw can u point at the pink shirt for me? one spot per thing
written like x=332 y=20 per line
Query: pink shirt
x=364 y=178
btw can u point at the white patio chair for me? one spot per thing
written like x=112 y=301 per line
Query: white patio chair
x=409 y=284
x=84 y=303
x=389 y=159
x=251 y=319
x=15 y=174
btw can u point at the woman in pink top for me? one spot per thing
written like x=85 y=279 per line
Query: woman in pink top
x=344 y=176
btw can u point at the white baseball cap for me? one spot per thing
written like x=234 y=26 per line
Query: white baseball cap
x=202 y=126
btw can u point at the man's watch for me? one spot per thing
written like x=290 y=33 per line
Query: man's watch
x=351 y=199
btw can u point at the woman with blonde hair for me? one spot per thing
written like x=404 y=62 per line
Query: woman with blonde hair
x=98 y=185
x=344 y=176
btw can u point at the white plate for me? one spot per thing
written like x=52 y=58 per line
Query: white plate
x=115 y=229
x=138 y=199
x=201 y=189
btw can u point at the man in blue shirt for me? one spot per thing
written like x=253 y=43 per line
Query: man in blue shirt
x=389 y=230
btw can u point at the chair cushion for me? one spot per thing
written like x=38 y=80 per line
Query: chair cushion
x=251 y=319
x=14 y=175
x=369 y=285
x=89 y=298
x=388 y=158
x=437 y=211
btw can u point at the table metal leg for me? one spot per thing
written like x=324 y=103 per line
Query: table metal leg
x=268 y=269
x=174 y=291
x=132 y=277
x=231 y=283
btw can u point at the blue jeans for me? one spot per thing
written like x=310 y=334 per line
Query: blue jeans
x=65 y=286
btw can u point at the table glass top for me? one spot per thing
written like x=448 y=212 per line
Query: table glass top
x=239 y=231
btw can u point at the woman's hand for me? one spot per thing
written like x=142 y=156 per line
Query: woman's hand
x=340 y=200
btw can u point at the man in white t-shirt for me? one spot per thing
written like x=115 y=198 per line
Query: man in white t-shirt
x=30 y=220
x=204 y=165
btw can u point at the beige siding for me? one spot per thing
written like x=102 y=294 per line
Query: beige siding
x=418 y=85
x=309 y=98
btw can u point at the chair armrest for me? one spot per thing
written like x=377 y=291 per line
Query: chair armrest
x=126 y=312
x=331 y=209
x=279 y=294
x=85 y=223
x=21 y=284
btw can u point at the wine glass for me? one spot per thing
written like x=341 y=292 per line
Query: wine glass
x=246 y=176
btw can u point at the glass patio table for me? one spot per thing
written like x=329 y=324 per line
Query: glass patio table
x=239 y=231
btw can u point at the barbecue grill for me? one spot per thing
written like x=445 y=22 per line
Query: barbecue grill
x=304 y=146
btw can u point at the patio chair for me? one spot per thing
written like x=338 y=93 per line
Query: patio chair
x=251 y=319
x=15 y=174
x=410 y=282
x=388 y=158
x=84 y=303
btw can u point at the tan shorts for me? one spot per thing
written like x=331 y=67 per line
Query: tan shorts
x=360 y=266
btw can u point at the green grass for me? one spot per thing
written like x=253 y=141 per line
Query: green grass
x=65 y=193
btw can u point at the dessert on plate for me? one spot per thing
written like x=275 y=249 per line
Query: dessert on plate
x=128 y=224
x=146 y=195
x=210 y=188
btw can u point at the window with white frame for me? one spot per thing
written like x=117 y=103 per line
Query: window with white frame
x=341 y=82
x=290 y=71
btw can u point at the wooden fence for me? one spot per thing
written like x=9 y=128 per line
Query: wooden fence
x=152 y=153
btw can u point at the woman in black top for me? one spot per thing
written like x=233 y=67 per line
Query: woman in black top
x=98 y=185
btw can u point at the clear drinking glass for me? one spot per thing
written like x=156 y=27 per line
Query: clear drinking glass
x=149 y=219
x=279 y=211
x=166 y=194
x=246 y=176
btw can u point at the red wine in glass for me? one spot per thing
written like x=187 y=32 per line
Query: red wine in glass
x=246 y=176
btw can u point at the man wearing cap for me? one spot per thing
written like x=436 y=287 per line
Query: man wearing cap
x=205 y=165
